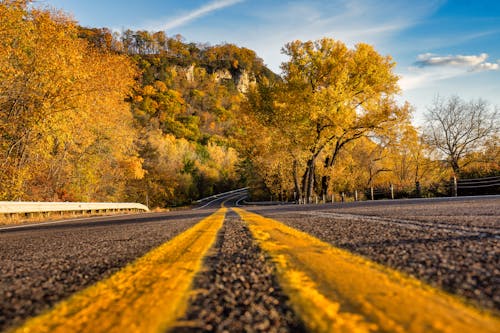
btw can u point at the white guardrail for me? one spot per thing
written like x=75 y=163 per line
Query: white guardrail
x=24 y=207
x=219 y=195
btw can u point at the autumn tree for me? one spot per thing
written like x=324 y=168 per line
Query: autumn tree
x=101 y=38
x=232 y=57
x=362 y=164
x=65 y=131
x=483 y=163
x=338 y=95
x=456 y=128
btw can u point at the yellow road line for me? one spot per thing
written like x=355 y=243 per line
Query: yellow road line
x=336 y=291
x=145 y=296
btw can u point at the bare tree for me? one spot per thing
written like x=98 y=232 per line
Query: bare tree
x=456 y=128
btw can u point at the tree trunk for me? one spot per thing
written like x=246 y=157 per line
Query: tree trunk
x=329 y=162
x=296 y=180
x=325 y=180
x=455 y=166
x=310 y=187
x=308 y=179
x=305 y=177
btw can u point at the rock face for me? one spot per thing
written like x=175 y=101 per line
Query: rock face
x=245 y=81
x=242 y=78
x=222 y=74
x=190 y=74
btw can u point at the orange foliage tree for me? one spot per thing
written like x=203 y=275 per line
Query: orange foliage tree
x=66 y=132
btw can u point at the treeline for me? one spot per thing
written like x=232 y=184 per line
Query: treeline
x=91 y=115
x=174 y=51
x=332 y=125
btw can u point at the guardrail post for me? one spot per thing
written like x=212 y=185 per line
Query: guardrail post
x=371 y=193
x=455 y=186
x=392 y=191
x=355 y=195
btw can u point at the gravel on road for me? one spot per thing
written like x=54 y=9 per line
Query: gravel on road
x=42 y=265
x=238 y=292
x=451 y=245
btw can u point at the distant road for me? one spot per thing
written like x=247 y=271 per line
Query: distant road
x=232 y=197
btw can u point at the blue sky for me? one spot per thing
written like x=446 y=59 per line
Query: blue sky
x=441 y=47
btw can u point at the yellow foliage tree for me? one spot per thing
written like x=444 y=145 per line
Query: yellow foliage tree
x=334 y=95
x=66 y=132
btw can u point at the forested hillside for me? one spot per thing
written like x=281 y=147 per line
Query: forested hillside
x=185 y=104
x=88 y=115
x=91 y=115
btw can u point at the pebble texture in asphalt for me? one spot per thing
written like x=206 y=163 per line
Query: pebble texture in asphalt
x=40 y=267
x=451 y=245
x=238 y=291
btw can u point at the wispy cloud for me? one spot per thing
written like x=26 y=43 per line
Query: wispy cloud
x=470 y=62
x=351 y=21
x=425 y=78
x=488 y=66
x=430 y=68
x=194 y=14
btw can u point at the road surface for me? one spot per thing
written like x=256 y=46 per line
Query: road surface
x=242 y=260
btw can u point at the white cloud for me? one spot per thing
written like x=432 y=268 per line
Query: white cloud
x=429 y=59
x=487 y=66
x=472 y=63
x=193 y=15
x=431 y=68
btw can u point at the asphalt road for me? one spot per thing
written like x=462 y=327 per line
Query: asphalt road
x=452 y=244
x=43 y=264
x=238 y=292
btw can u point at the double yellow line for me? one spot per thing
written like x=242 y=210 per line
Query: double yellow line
x=331 y=289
